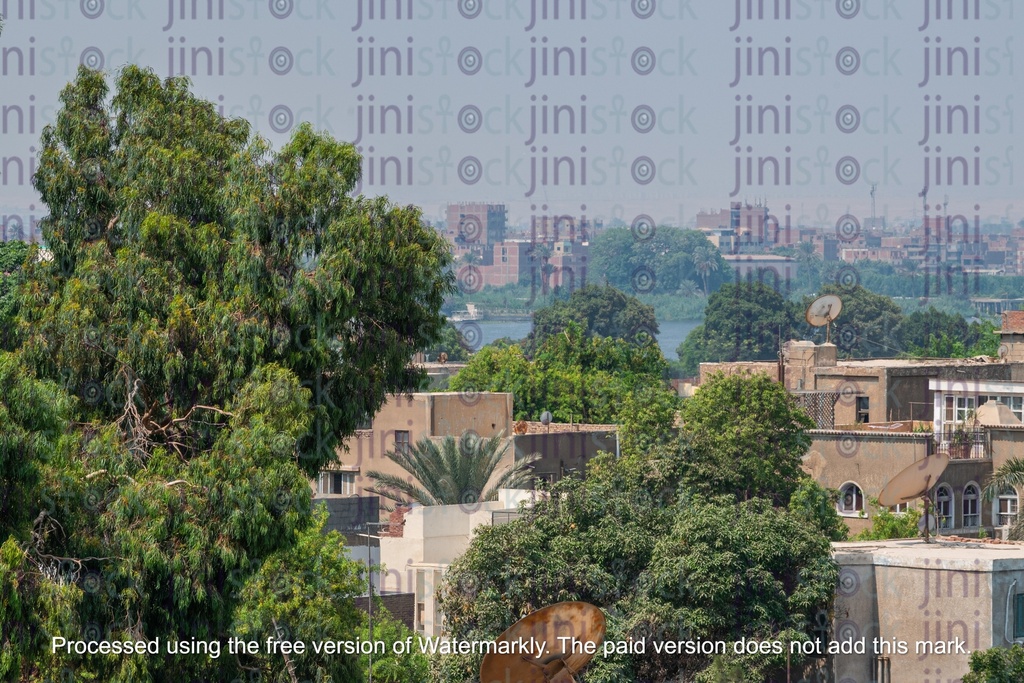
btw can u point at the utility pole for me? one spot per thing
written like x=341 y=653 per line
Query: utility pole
x=369 y=593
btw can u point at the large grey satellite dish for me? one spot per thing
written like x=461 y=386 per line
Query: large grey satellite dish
x=915 y=481
x=823 y=311
x=579 y=621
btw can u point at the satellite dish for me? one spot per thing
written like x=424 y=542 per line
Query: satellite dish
x=823 y=311
x=579 y=621
x=546 y=417
x=931 y=524
x=913 y=482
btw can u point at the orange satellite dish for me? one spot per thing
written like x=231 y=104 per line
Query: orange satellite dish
x=580 y=621
x=915 y=481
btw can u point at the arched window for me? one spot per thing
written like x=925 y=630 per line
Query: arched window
x=971 y=518
x=944 y=507
x=1007 y=506
x=851 y=499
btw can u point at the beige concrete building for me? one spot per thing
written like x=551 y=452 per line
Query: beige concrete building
x=416 y=552
x=878 y=416
x=941 y=601
x=564 y=449
x=406 y=419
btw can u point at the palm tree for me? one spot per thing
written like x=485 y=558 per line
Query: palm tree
x=688 y=289
x=1009 y=477
x=455 y=473
x=704 y=262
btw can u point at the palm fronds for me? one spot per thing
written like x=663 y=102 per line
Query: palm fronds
x=454 y=472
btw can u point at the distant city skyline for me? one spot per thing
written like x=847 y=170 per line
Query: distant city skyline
x=657 y=107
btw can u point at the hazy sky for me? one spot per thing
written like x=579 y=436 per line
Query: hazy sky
x=654 y=82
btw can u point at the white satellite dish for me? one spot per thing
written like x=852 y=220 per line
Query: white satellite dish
x=823 y=311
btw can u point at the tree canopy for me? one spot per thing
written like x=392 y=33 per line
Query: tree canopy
x=661 y=562
x=742 y=321
x=996 y=665
x=216 y=316
x=572 y=375
x=601 y=311
x=868 y=325
x=748 y=437
x=649 y=260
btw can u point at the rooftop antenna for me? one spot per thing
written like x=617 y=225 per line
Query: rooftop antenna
x=555 y=628
x=874 y=188
x=822 y=312
x=916 y=481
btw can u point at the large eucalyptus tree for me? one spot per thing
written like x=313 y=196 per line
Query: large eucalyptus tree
x=215 y=316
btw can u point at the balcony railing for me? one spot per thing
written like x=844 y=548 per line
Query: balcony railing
x=962 y=443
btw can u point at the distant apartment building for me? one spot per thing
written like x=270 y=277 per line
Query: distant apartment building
x=553 y=254
x=750 y=225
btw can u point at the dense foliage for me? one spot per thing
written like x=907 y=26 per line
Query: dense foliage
x=574 y=375
x=214 y=318
x=600 y=311
x=663 y=561
x=658 y=260
x=12 y=258
x=745 y=322
x=996 y=665
x=748 y=437
x=742 y=321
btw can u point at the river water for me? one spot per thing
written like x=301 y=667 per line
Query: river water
x=670 y=336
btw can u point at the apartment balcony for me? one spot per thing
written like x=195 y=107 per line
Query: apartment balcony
x=963 y=443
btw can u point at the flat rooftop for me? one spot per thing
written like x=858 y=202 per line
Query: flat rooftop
x=915 y=362
x=954 y=554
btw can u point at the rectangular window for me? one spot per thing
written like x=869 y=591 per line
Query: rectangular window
x=1016 y=404
x=863 y=412
x=365 y=423
x=948 y=416
x=965 y=405
x=401 y=441
x=338 y=483
x=1007 y=510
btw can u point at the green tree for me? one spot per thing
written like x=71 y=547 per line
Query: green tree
x=223 y=314
x=886 y=524
x=12 y=258
x=730 y=570
x=705 y=261
x=411 y=667
x=572 y=375
x=303 y=593
x=742 y=322
x=748 y=437
x=660 y=563
x=619 y=255
x=456 y=472
x=817 y=506
x=450 y=342
x=648 y=419
x=601 y=311
x=996 y=665
x=1009 y=476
